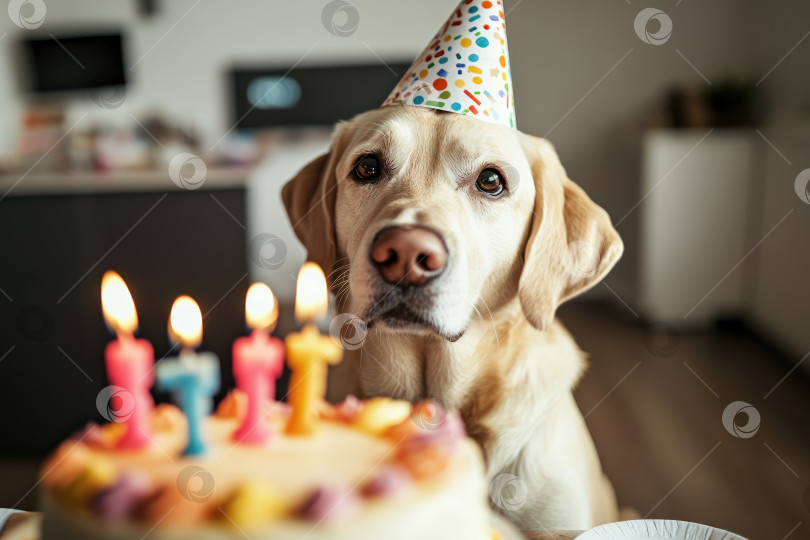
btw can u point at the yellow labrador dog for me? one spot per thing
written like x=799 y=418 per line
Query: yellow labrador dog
x=455 y=241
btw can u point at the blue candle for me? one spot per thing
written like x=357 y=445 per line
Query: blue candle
x=193 y=378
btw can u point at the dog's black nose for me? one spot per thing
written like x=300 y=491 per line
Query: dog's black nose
x=408 y=255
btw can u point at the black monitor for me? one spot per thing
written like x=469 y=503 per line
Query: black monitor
x=67 y=63
x=310 y=95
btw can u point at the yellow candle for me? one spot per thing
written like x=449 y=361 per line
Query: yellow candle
x=308 y=352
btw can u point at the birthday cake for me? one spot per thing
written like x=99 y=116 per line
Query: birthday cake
x=372 y=469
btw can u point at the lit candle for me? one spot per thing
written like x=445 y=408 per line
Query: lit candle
x=258 y=361
x=128 y=360
x=192 y=377
x=309 y=352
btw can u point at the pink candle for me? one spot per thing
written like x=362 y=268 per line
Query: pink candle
x=129 y=361
x=129 y=365
x=258 y=361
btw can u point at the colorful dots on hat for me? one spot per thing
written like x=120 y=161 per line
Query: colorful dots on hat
x=477 y=82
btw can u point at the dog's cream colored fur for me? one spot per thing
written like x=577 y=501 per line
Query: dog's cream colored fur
x=511 y=262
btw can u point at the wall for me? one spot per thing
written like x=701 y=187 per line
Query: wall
x=560 y=49
x=581 y=74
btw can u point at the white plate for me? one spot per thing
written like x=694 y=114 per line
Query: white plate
x=656 y=529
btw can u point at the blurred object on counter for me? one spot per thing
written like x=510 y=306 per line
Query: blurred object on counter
x=49 y=143
x=39 y=138
x=735 y=103
x=727 y=103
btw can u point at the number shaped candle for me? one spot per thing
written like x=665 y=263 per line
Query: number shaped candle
x=308 y=352
x=192 y=377
x=129 y=361
x=258 y=361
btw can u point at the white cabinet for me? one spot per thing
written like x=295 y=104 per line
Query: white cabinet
x=695 y=223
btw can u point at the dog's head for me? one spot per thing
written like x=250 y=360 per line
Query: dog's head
x=428 y=216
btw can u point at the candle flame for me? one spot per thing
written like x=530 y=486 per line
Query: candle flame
x=185 y=322
x=117 y=305
x=261 y=308
x=310 y=295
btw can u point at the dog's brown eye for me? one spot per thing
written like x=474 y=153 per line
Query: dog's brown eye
x=490 y=182
x=367 y=168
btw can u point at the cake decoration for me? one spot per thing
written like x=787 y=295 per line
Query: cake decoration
x=120 y=499
x=167 y=506
x=389 y=480
x=465 y=68
x=192 y=377
x=129 y=361
x=330 y=503
x=255 y=502
x=379 y=414
x=92 y=435
x=98 y=473
x=258 y=361
x=168 y=418
x=348 y=409
x=309 y=352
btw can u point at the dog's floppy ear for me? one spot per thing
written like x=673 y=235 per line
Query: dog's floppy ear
x=572 y=244
x=310 y=202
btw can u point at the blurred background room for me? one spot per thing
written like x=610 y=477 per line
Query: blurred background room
x=153 y=136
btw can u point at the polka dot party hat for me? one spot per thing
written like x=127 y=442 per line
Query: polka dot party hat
x=465 y=69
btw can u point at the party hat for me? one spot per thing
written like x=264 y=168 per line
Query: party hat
x=465 y=69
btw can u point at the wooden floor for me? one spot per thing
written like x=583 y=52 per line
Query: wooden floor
x=654 y=400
